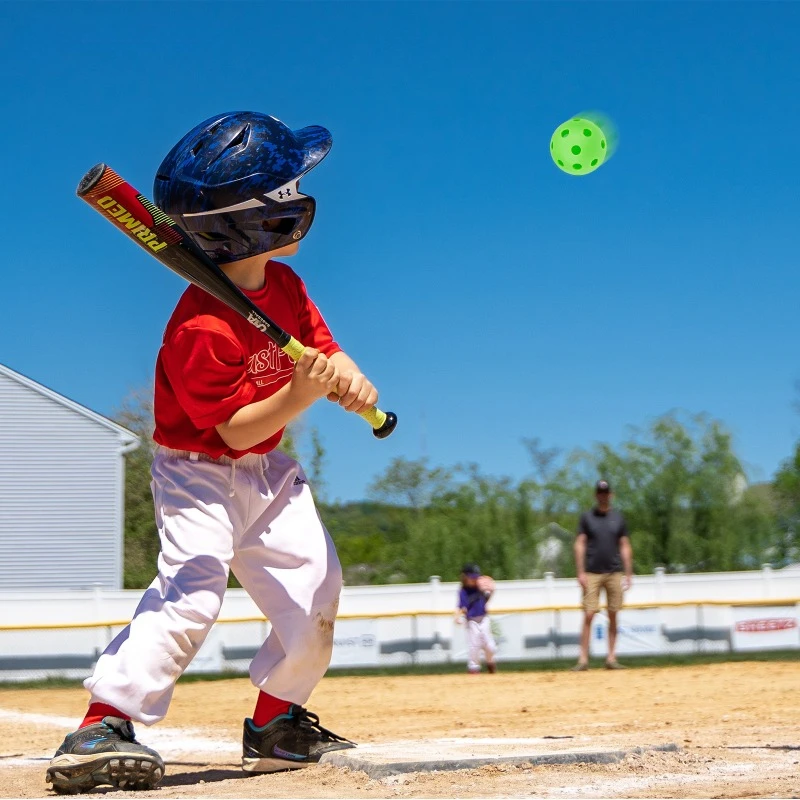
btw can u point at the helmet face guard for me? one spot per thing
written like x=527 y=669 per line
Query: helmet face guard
x=232 y=183
x=253 y=227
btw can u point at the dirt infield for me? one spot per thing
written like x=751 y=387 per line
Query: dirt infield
x=738 y=727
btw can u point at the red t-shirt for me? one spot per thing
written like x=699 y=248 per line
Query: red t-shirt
x=213 y=362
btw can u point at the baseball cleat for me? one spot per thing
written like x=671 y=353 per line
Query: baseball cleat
x=290 y=741
x=104 y=754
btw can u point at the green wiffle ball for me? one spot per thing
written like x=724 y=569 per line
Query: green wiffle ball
x=579 y=146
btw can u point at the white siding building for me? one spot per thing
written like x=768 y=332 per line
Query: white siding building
x=62 y=490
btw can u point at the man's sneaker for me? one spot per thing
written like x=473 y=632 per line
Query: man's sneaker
x=290 y=741
x=104 y=754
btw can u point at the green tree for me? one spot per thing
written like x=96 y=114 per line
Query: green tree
x=316 y=465
x=681 y=487
x=411 y=483
x=141 y=545
x=786 y=489
x=678 y=482
x=369 y=538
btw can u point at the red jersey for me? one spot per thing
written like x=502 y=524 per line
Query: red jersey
x=213 y=362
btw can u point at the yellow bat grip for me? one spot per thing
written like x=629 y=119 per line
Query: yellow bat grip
x=293 y=349
x=375 y=417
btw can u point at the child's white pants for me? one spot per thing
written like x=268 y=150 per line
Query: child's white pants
x=257 y=518
x=479 y=638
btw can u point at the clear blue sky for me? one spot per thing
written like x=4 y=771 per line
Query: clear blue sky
x=489 y=296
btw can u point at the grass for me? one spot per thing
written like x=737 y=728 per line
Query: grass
x=559 y=665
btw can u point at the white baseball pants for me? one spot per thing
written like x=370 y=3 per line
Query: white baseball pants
x=479 y=639
x=257 y=518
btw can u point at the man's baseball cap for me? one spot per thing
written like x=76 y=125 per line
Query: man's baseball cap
x=602 y=486
x=471 y=570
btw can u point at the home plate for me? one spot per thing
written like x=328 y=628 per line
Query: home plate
x=426 y=755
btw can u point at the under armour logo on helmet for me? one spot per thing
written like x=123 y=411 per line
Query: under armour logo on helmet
x=288 y=191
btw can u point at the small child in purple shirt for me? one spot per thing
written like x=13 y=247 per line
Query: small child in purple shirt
x=474 y=594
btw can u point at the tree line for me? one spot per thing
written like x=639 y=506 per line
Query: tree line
x=678 y=481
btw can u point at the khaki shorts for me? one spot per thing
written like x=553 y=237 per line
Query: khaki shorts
x=611 y=582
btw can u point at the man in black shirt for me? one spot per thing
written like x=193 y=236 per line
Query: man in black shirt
x=602 y=550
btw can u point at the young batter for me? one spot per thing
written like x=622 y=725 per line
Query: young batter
x=472 y=602
x=225 y=498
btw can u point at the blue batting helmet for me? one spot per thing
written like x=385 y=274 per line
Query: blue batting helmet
x=232 y=183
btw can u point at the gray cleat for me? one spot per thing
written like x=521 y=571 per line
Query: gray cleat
x=291 y=741
x=104 y=754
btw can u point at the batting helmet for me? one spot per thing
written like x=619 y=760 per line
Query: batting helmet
x=232 y=183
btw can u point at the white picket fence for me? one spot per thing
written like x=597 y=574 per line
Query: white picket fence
x=62 y=633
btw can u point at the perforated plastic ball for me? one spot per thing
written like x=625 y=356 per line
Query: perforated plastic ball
x=578 y=146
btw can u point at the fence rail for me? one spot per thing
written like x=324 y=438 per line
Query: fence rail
x=790 y=601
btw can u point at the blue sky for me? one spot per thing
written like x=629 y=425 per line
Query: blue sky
x=489 y=296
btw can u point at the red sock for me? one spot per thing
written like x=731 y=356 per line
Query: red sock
x=267 y=708
x=97 y=711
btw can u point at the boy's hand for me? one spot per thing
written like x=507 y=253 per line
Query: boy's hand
x=354 y=392
x=315 y=375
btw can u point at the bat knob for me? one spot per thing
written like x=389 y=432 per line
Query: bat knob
x=388 y=426
x=90 y=179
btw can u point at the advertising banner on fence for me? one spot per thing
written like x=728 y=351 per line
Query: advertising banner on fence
x=355 y=643
x=209 y=657
x=638 y=632
x=765 y=628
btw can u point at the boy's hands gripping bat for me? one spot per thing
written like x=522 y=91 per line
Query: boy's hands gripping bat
x=148 y=226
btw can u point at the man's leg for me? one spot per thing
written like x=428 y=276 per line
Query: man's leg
x=591 y=599
x=586 y=632
x=613 y=585
x=612 y=637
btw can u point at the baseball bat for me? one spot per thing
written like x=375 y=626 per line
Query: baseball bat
x=154 y=231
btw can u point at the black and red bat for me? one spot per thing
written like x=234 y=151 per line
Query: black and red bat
x=154 y=231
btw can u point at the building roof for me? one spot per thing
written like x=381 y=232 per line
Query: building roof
x=127 y=437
